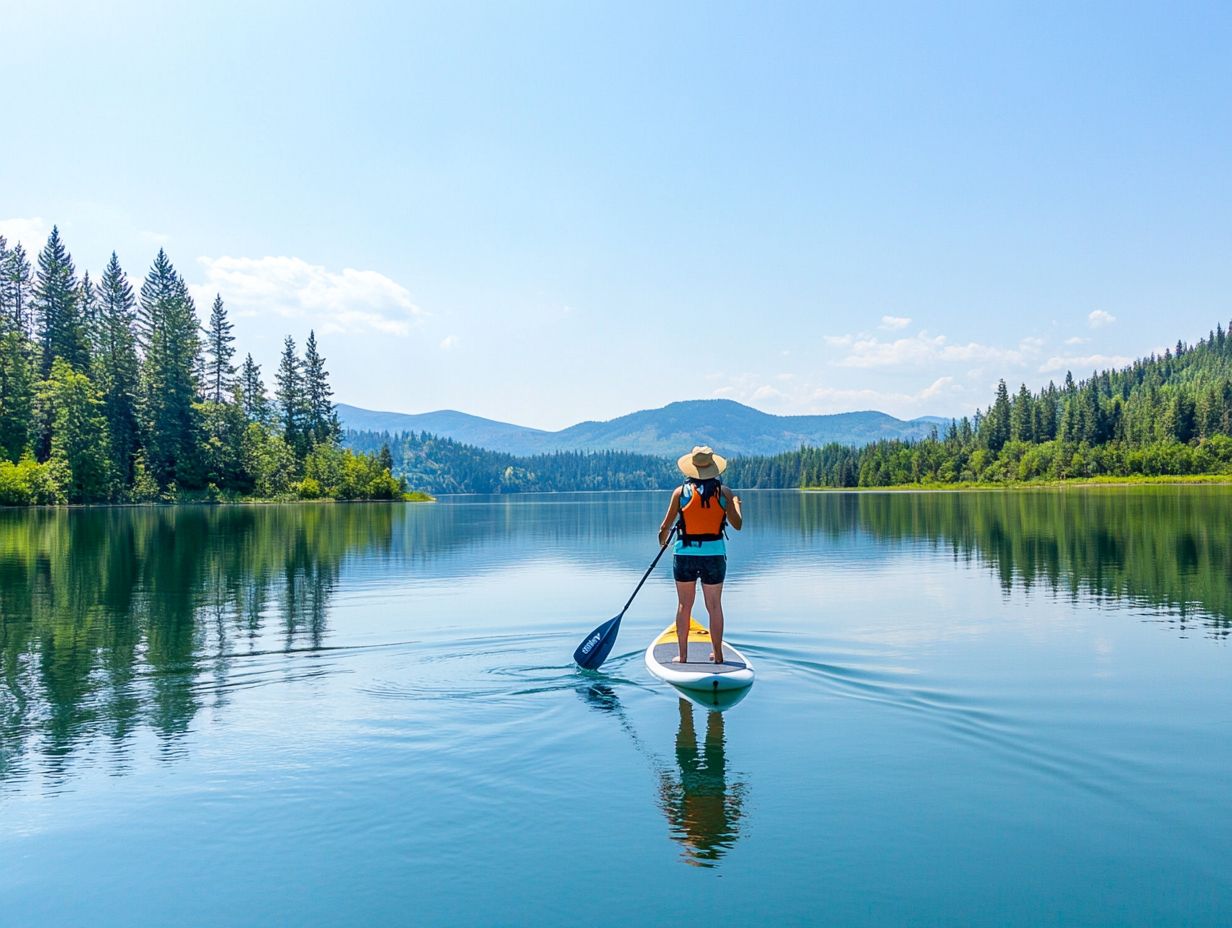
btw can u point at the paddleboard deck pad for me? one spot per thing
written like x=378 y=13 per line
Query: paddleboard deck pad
x=699 y=672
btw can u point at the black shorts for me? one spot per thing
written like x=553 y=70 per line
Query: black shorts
x=708 y=568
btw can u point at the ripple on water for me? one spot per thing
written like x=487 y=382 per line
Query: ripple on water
x=999 y=727
x=494 y=667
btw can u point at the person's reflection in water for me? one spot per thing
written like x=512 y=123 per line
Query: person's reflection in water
x=702 y=810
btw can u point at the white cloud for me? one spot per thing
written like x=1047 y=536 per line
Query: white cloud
x=1097 y=318
x=335 y=301
x=922 y=348
x=1077 y=340
x=799 y=397
x=1084 y=363
x=938 y=387
x=838 y=399
x=767 y=393
x=895 y=322
x=448 y=342
x=32 y=232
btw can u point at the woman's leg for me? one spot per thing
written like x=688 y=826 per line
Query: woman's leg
x=686 y=594
x=712 y=594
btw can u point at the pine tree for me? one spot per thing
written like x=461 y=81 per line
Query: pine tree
x=169 y=335
x=252 y=392
x=1022 y=415
x=56 y=306
x=219 y=371
x=16 y=393
x=15 y=287
x=115 y=367
x=322 y=423
x=289 y=395
x=996 y=426
x=6 y=311
x=88 y=311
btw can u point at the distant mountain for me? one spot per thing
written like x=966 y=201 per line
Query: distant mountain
x=448 y=423
x=729 y=427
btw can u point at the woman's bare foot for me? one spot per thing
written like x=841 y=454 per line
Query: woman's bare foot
x=680 y=660
x=717 y=660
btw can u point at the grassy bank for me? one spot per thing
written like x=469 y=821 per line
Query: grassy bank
x=1161 y=480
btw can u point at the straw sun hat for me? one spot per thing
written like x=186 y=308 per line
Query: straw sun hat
x=702 y=463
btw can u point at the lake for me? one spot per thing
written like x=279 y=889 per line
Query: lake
x=1001 y=708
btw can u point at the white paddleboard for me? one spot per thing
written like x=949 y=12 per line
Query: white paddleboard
x=699 y=672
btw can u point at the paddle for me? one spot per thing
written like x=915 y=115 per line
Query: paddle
x=594 y=650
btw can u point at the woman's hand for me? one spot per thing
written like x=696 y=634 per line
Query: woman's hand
x=736 y=518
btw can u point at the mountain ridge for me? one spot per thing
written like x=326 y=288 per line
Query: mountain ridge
x=726 y=425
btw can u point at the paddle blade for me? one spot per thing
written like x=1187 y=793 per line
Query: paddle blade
x=594 y=650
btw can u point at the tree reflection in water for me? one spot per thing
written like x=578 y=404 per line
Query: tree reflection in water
x=114 y=621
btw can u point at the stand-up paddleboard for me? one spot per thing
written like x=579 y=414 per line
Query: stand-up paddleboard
x=699 y=672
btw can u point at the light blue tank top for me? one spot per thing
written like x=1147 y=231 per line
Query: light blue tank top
x=704 y=547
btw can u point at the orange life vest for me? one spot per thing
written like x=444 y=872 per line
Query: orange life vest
x=701 y=519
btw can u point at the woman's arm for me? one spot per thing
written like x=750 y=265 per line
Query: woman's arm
x=673 y=510
x=735 y=517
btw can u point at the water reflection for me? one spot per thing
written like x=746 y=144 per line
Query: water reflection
x=1162 y=547
x=703 y=810
x=1166 y=548
x=110 y=618
x=117 y=621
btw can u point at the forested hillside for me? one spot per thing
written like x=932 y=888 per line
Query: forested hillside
x=107 y=395
x=442 y=465
x=1169 y=415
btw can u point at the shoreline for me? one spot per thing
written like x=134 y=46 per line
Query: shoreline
x=1075 y=482
x=412 y=497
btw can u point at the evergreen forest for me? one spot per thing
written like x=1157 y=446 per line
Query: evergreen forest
x=113 y=395
x=1168 y=415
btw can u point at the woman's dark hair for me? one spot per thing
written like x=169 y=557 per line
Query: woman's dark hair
x=708 y=488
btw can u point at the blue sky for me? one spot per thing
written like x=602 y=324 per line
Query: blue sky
x=549 y=212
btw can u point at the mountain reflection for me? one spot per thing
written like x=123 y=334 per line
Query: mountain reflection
x=110 y=617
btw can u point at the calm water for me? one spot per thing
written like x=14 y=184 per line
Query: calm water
x=978 y=709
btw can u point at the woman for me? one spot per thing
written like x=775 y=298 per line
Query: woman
x=700 y=509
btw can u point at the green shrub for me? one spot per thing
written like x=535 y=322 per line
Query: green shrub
x=308 y=488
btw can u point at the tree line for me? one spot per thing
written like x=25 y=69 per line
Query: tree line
x=111 y=395
x=1162 y=415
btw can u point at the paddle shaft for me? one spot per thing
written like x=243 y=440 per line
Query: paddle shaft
x=648 y=572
